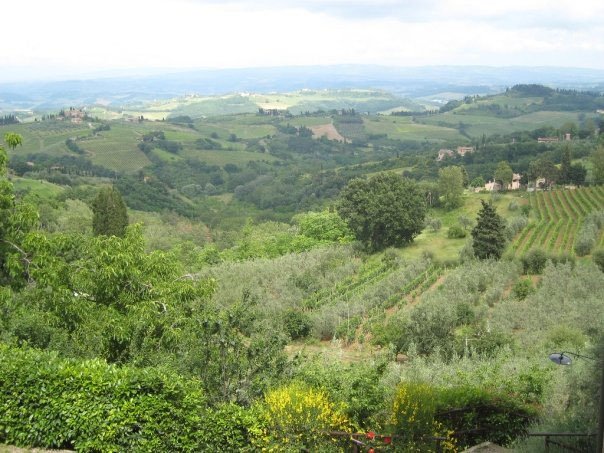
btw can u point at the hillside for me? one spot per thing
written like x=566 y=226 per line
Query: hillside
x=242 y=291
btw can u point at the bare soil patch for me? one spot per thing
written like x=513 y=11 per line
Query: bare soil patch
x=329 y=131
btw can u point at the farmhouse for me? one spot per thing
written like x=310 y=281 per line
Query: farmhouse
x=547 y=140
x=495 y=186
x=463 y=150
x=443 y=153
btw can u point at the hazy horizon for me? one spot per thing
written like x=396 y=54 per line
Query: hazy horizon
x=64 y=39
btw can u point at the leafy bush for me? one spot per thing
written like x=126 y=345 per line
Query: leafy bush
x=586 y=239
x=563 y=258
x=324 y=226
x=515 y=226
x=534 y=261
x=298 y=416
x=434 y=224
x=413 y=416
x=420 y=411
x=91 y=406
x=456 y=232
x=585 y=242
x=523 y=288
x=297 y=324
x=598 y=258
x=513 y=206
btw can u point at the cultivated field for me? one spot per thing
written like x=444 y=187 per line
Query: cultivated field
x=404 y=128
x=558 y=215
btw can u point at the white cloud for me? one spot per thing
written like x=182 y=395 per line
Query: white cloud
x=72 y=35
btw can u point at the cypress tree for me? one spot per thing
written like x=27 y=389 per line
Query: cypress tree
x=488 y=234
x=110 y=216
x=565 y=168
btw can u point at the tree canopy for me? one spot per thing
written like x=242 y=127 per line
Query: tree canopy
x=384 y=211
x=504 y=174
x=451 y=184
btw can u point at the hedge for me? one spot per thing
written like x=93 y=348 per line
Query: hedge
x=46 y=401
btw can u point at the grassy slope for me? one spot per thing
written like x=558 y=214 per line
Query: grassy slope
x=403 y=128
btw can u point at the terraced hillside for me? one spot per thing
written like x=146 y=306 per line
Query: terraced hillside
x=558 y=215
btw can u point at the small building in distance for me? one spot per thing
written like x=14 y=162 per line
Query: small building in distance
x=463 y=150
x=547 y=140
x=75 y=115
x=444 y=153
x=495 y=186
x=459 y=151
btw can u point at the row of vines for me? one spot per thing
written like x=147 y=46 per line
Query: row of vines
x=558 y=216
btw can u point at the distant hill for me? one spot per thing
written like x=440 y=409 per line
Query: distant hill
x=440 y=82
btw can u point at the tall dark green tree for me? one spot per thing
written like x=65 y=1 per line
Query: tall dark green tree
x=110 y=216
x=386 y=210
x=565 y=167
x=488 y=234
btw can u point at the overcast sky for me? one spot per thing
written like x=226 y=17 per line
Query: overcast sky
x=75 y=37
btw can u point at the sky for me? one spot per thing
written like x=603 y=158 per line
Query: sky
x=67 y=38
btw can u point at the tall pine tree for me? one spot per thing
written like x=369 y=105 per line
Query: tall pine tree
x=488 y=234
x=110 y=217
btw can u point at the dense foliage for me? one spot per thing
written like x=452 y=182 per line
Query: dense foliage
x=110 y=216
x=488 y=234
x=384 y=211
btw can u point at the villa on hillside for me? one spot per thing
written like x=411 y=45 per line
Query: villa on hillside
x=75 y=115
x=495 y=186
x=546 y=140
x=460 y=151
x=444 y=153
x=463 y=150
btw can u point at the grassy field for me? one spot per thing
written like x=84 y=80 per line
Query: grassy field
x=476 y=125
x=404 y=128
x=117 y=148
x=222 y=157
x=39 y=188
x=437 y=244
x=46 y=137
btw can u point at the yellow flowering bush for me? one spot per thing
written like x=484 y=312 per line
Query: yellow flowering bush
x=413 y=418
x=297 y=416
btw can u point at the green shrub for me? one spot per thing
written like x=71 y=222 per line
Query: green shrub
x=534 y=261
x=476 y=415
x=515 y=226
x=347 y=329
x=563 y=258
x=297 y=324
x=525 y=210
x=586 y=239
x=513 y=206
x=324 y=226
x=296 y=418
x=598 y=258
x=91 y=406
x=585 y=242
x=523 y=288
x=456 y=232
x=434 y=224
